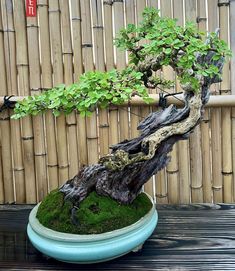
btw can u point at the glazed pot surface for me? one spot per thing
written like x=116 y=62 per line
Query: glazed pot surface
x=90 y=248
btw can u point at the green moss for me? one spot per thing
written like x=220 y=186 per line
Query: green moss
x=97 y=214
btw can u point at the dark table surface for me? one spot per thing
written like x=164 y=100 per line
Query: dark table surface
x=188 y=237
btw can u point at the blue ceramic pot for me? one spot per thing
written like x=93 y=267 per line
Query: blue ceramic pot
x=91 y=248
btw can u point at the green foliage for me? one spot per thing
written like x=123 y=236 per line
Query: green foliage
x=93 y=89
x=97 y=214
x=166 y=41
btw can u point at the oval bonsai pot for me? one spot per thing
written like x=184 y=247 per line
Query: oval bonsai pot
x=90 y=248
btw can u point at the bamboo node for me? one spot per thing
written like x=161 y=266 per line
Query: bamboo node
x=35 y=89
x=108 y=2
x=71 y=124
x=98 y=26
x=227 y=173
x=87 y=45
x=54 y=10
x=105 y=125
x=161 y=196
x=223 y=3
x=225 y=91
x=52 y=165
x=120 y=1
x=42 y=5
x=32 y=26
x=196 y=186
x=91 y=137
x=76 y=19
x=40 y=154
x=67 y=53
x=27 y=137
x=18 y=169
x=8 y=30
x=22 y=65
x=172 y=171
x=216 y=188
x=63 y=166
x=199 y=19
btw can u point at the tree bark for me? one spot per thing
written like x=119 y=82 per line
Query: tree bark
x=121 y=174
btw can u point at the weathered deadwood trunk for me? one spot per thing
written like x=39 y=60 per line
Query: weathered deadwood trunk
x=122 y=173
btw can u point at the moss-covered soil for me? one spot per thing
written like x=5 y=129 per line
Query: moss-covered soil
x=97 y=214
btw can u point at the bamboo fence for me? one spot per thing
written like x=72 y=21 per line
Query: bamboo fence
x=69 y=37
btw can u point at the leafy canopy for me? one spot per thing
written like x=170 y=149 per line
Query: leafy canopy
x=163 y=43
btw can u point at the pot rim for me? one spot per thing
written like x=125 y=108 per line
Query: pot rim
x=62 y=236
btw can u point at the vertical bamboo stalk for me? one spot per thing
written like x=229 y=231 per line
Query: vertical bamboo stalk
x=6 y=148
x=91 y=122
x=226 y=128
x=215 y=120
x=78 y=69
x=195 y=137
x=232 y=78
x=109 y=54
x=183 y=146
x=57 y=58
x=68 y=79
x=27 y=129
x=144 y=110
x=98 y=33
x=46 y=76
x=205 y=124
x=38 y=126
x=152 y=3
x=161 y=187
x=134 y=110
x=118 y=14
x=108 y=34
x=10 y=59
x=172 y=169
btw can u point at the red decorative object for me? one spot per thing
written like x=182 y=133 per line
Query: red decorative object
x=31 y=8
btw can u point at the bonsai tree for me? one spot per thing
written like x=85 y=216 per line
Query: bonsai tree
x=197 y=60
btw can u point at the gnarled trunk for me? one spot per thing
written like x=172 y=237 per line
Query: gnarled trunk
x=122 y=173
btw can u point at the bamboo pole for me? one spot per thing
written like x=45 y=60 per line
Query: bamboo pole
x=232 y=78
x=143 y=111
x=195 y=137
x=205 y=124
x=68 y=79
x=134 y=110
x=161 y=178
x=11 y=76
x=109 y=55
x=98 y=33
x=46 y=76
x=27 y=130
x=118 y=15
x=172 y=170
x=183 y=187
x=215 y=120
x=6 y=148
x=152 y=3
x=214 y=101
x=91 y=122
x=38 y=123
x=78 y=70
x=226 y=128
x=57 y=60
